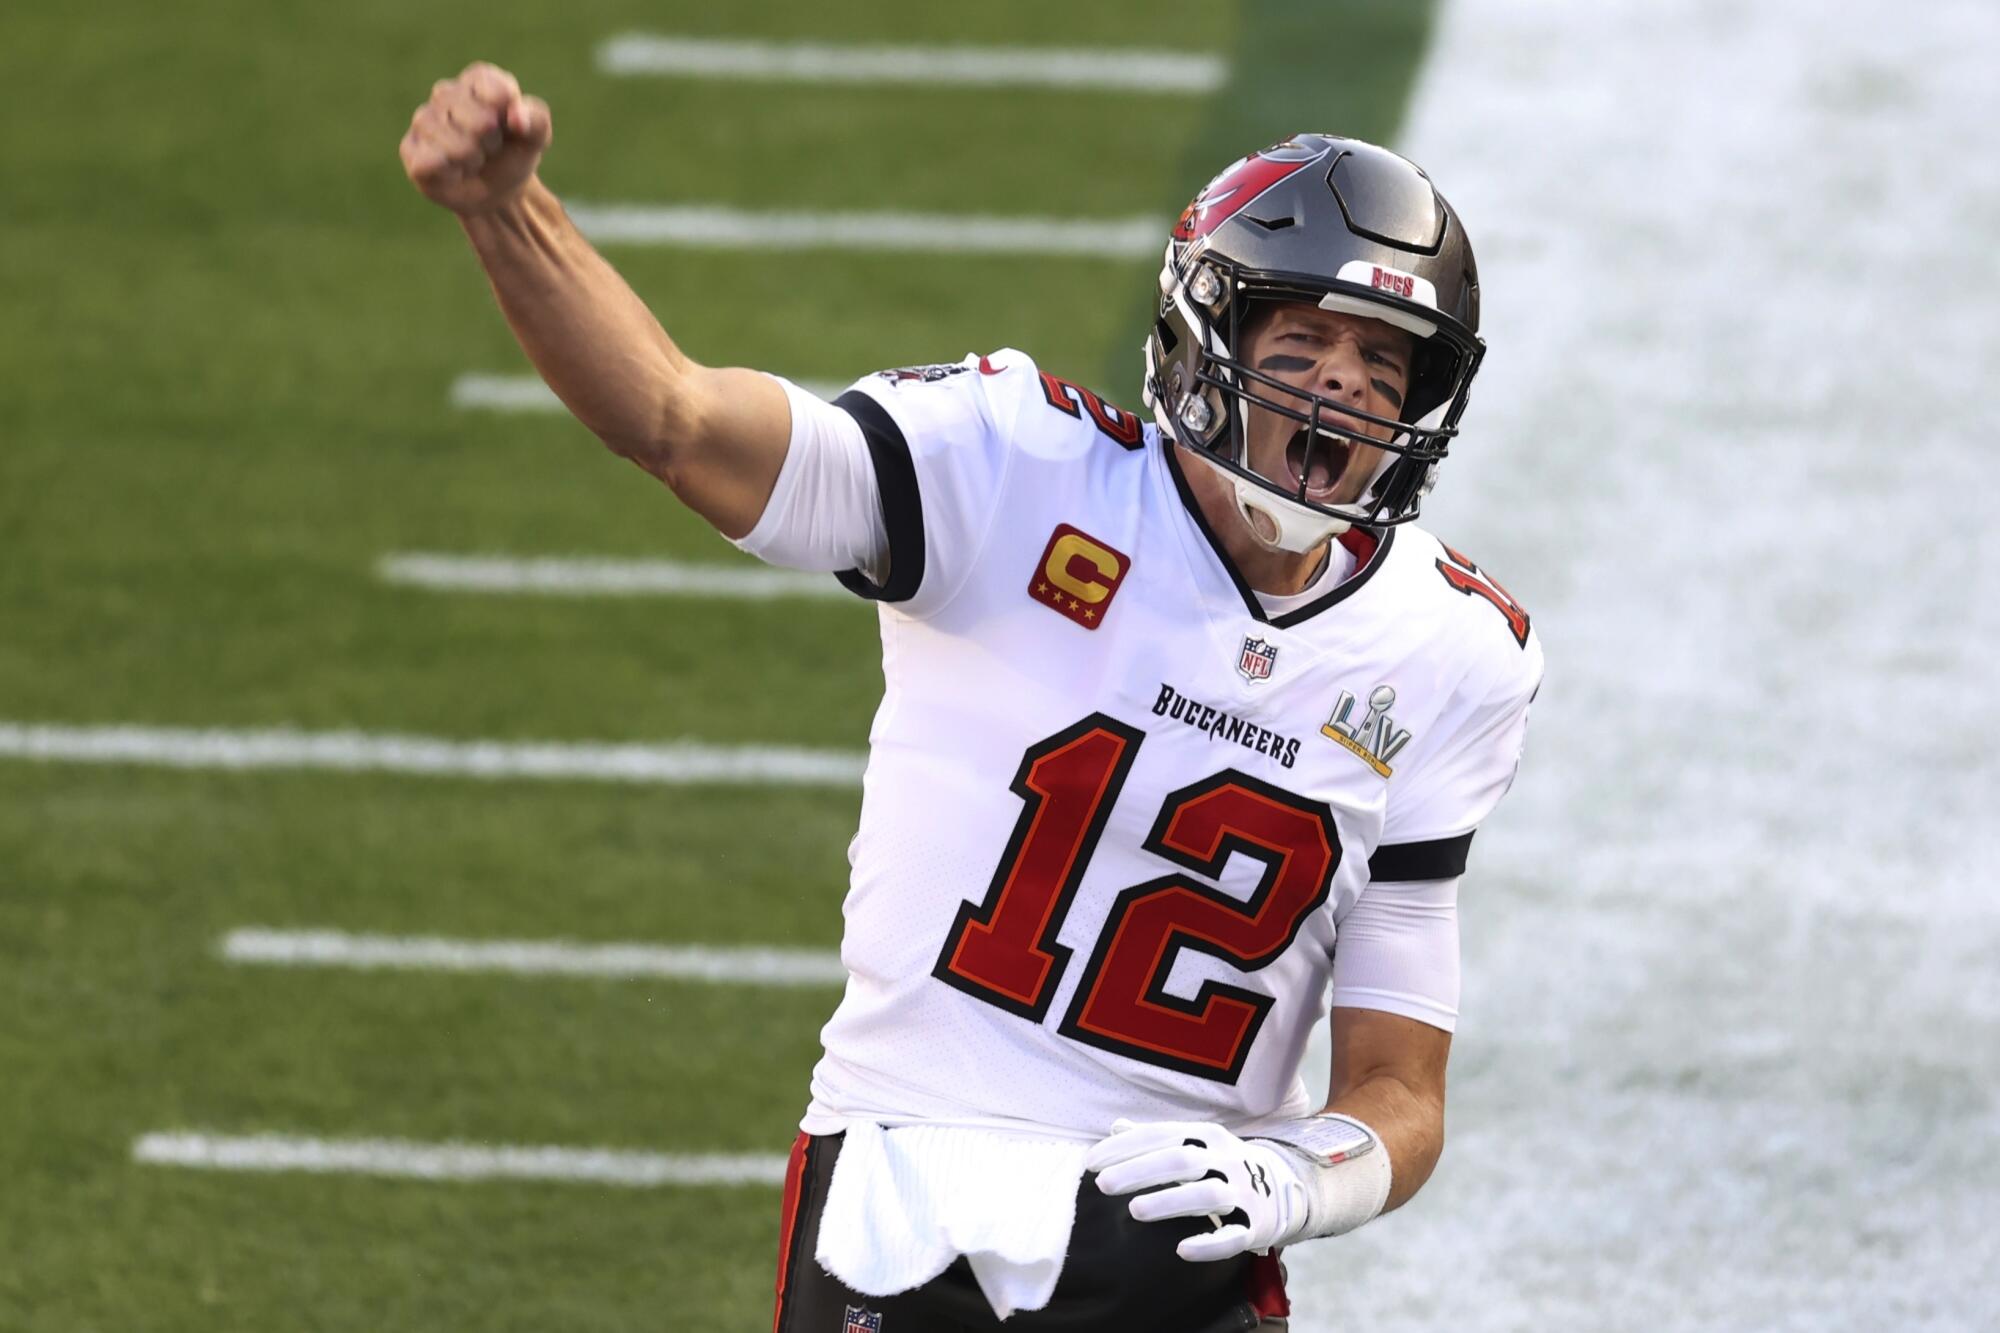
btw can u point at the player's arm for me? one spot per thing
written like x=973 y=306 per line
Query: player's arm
x=1388 y=1074
x=718 y=438
x=1379 y=1135
x=1395 y=1000
x=1370 y=1149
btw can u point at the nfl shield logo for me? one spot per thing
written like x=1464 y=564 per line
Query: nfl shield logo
x=861 y=1321
x=1257 y=659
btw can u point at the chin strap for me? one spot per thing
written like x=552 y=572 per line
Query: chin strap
x=1294 y=527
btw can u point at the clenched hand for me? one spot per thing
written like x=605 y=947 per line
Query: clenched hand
x=476 y=142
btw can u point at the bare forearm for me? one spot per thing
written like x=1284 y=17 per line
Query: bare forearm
x=591 y=337
x=717 y=438
x=1411 y=1127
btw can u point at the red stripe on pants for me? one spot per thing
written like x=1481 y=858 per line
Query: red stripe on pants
x=1264 y=1284
x=795 y=1174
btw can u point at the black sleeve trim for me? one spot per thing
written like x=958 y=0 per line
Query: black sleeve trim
x=902 y=503
x=1442 y=858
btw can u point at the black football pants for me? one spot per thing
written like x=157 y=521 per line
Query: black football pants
x=1121 y=1276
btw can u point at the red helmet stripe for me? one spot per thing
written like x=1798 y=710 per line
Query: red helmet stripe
x=1238 y=185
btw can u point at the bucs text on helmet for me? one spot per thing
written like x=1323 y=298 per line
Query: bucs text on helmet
x=1346 y=226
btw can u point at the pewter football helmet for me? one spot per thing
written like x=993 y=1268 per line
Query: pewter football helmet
x=1346 y=226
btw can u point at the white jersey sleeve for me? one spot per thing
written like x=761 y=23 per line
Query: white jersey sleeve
x=1397 y=950
x=825 y=510
x=1458 y=773
x=1397 y=947
x=1451 y=794
x=939 y=438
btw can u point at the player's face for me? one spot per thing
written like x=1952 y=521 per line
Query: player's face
x=1356 y=362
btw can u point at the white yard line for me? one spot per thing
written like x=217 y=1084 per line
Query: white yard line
x=455 y=1161
x=684 y=762
x=504 y=393
x=709 y=227
x=557 y=577
x=527 y=393
x=1123 y=71
x=334 y=948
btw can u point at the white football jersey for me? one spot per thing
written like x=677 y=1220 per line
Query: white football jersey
x=1114 y=811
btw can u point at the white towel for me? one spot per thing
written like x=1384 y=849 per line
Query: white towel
x=906 y=1201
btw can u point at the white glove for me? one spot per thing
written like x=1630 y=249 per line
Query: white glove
x=1252 y=1190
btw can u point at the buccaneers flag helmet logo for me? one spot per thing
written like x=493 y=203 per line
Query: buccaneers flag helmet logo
x=1240 y=183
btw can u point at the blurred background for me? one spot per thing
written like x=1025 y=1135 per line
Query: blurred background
x=395 y=788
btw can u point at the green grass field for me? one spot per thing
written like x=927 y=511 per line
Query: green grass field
x=230 y=331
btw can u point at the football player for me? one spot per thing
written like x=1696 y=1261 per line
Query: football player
x=1186 y=730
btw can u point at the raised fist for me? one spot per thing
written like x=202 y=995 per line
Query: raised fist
x=475 y=143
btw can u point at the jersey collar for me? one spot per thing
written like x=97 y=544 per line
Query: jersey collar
x=1370 y=552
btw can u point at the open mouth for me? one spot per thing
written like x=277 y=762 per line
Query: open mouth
x=1320 y=472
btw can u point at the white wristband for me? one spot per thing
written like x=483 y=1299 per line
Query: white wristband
x=1345 y=1168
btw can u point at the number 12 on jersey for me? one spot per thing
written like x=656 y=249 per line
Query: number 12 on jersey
x=1003 y=949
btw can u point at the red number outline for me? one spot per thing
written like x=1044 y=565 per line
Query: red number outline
x=1121 y=1003
x=1002 y=950
x=1121 y=426
x=1473 y=581
x=994 y=943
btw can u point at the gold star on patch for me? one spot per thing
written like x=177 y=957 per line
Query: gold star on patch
x=1077 y=576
